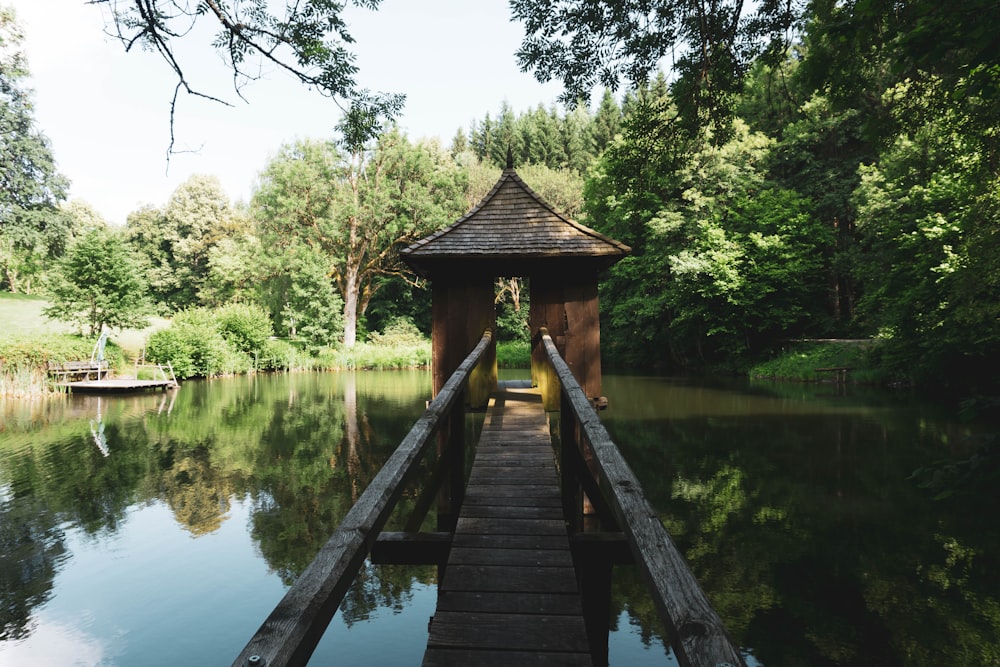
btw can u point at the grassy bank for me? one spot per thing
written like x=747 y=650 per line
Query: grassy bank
x=30 y=340
x=364 y=356
x=817 y=361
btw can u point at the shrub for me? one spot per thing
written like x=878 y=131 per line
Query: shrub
x=195 y=347
x=24 y=360
x=514 y=354
x=801 y=361
x=280 y=355
x=245 y=326
x=400 y=332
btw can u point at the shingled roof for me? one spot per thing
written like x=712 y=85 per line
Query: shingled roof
x=511 y=227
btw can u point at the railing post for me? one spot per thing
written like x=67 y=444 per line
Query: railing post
x=451 y=455
x=572 y=491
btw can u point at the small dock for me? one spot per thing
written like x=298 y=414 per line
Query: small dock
x=509 y=593
x=116 y=386
x=86 y=383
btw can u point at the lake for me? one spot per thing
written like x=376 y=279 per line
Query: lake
x=161 y=529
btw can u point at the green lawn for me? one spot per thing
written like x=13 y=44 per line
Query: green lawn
x=21 y=316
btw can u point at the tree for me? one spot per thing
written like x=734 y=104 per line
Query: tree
x=309 y=41
x=607 y=122
x=32 y=230
x=311 y=309
x=929 y=215
x=99 y=283
x=356 y=208
x=182 y=239
x=586 y=43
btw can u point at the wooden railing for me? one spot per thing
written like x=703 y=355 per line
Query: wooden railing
x=697 y=634
x=293 y=629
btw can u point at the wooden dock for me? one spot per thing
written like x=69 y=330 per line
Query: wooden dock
x=117 y=385
x=509 y=594
x=85 y=384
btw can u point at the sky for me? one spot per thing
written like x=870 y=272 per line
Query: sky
x=106 y=112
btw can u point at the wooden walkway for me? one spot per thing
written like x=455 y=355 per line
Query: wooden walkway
x=509 y=594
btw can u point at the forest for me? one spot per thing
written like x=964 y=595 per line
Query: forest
x=842 y=182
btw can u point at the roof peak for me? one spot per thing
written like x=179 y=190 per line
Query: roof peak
x=513 y=223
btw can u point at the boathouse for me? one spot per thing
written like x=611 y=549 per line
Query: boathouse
x=513 y=232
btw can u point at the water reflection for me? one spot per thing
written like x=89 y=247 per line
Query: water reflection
x=798 y=515
x=286 y=456
x=792 y=503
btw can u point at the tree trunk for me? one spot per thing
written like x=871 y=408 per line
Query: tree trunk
x=351 y=307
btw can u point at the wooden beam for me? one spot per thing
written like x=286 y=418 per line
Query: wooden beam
x=400 y=548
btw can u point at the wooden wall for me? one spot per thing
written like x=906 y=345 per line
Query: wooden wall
x=460 y=313
x=568 y=308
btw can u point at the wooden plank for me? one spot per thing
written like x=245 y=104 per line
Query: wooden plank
x=512 y=632
x=488 y=556
x=477 y=493
x=510 y=603
x=510 y=496
x=509 y=578
x=494 y=511
x=508 y=541
x=448 y=657
x=494 y=526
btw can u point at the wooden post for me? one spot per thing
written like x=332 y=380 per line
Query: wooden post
x=568 y=467
x=568 y=308
x=460 y=314
x=547 y=311
x=583 y=335
x=594 y=572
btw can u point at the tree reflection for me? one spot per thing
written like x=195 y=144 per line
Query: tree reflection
x=811 y=542
x=31 y=546
x=198 y=493
x=296 y=446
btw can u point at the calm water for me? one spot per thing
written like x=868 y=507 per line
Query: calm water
x=161 y=529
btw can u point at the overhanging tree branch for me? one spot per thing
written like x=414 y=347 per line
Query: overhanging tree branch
x=307 y=40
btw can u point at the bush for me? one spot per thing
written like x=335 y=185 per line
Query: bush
x=280 y=355
x=801 y=361
x=195 y=347
x=245 y=326
x=514 y=354
x=37 y=351
x=24 y=360
x=400 y=332
x=376 y=357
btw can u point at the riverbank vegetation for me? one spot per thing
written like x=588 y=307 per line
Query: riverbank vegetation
x=841 y=184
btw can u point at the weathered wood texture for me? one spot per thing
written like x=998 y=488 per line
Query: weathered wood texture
x=513 y=224
x=567 y=307
x=295 y=626
x=509 y=595
x=460 y=312
x=699 y=639
x=69 y=370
